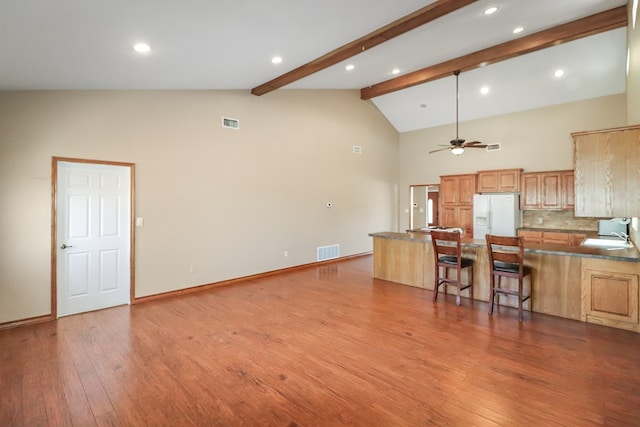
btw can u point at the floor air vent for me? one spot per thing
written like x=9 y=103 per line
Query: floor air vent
x=328 y=252
x=493 y=147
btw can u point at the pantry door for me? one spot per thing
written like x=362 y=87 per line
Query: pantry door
x=92 y=235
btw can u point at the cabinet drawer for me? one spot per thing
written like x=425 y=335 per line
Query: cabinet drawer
x=555 y=238
x=531 y=236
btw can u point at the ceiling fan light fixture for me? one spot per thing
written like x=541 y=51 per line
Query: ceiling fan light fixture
x=457 y=151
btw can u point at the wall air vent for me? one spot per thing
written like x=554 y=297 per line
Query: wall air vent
x=328 y=252
x=493 y=147
x=230 y=123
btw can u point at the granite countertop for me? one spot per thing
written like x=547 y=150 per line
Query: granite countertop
x=630 y=254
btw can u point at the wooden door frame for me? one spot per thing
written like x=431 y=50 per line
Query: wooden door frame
x=54 y=225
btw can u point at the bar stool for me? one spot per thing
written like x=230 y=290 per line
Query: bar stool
x=448 y=255
x=506 y=255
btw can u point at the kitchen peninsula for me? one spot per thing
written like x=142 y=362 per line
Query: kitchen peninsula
x=576 y=282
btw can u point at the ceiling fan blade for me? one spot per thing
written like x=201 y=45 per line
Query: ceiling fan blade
x=472 y=143
x=439 y=149
x=476 y=146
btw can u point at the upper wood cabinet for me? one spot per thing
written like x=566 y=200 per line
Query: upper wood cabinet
x=567 y=181
x=607 y=175
x=547 y=190
x=499 y=181
x=458 y=189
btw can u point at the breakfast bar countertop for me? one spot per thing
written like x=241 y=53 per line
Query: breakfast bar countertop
x=630 y=254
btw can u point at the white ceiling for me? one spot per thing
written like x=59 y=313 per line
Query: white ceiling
x=210 y=44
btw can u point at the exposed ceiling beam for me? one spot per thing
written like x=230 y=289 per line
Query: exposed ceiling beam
x=381 y=35
x=594 y=24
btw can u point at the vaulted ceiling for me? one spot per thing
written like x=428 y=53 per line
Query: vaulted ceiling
x=203 y=44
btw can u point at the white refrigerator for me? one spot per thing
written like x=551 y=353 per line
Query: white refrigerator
x=497 y=214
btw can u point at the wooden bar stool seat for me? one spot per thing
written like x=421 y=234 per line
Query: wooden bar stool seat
x=447 y=256
x=506 y=259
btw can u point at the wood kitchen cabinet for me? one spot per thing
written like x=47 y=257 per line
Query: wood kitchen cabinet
x=607 y=176
x=456 y=195
x=458 y=216
x=552 y=237
x=547 y=190
x=555 y=238
x=610 y=293
x=576 y=239
x=499 y=181
x=531 y=236
x=567 y=182
x=458 y=189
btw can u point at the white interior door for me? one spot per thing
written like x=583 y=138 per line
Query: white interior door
x=93 y=204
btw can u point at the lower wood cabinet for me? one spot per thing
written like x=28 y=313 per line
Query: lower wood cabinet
x=575 y=239
x=610 y=293
x=555 y=238
x=552 y=237
x=458 y=216
x=531 y=236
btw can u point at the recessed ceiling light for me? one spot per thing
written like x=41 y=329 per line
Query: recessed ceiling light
x=491 y=10
x=484 y=90
x=559 y=73
x=350 y=67
x=141 y=47
x=518 y=30
x=276 y=60
x=395 y=71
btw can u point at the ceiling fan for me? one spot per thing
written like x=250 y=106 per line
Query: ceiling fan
x=458 y=145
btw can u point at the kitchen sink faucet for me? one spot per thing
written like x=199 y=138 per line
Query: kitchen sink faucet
x=624 y=236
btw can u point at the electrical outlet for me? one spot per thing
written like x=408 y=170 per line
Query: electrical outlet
x=286 y=254
x=192 y=268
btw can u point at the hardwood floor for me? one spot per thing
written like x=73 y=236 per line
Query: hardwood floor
x=325 y=346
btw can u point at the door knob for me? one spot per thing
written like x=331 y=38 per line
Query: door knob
x=65 y=246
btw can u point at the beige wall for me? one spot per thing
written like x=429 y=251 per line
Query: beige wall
x=633 y=78
x=230 y=202
x=533 y=140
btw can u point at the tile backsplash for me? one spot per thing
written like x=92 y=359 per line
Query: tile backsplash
x=558 y=220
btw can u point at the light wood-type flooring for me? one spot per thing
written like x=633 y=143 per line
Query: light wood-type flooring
x=322 y=346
